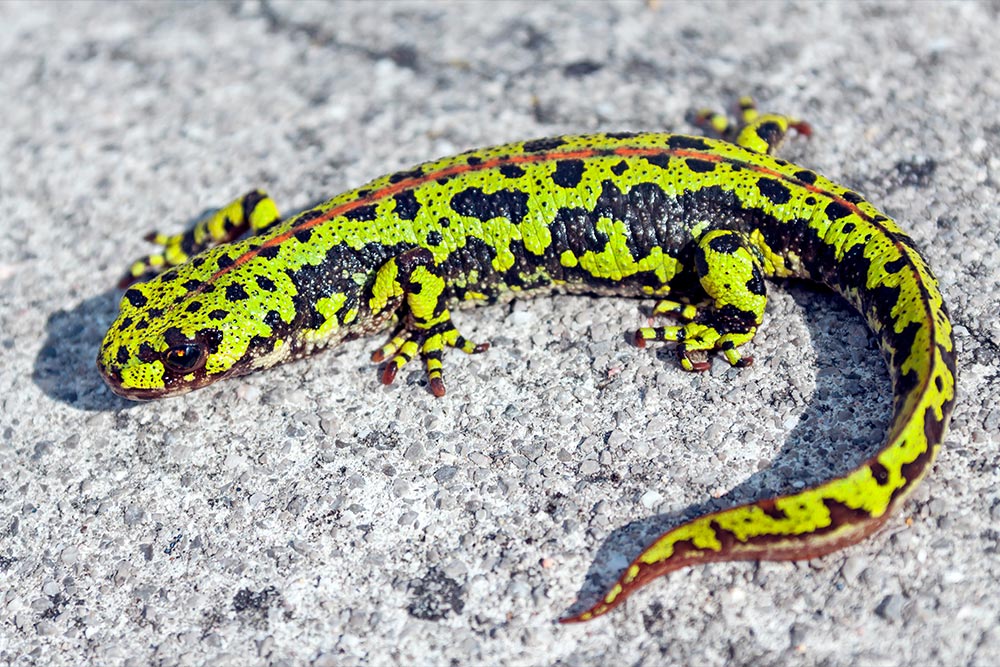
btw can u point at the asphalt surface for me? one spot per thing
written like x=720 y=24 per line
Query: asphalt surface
x=309 y=515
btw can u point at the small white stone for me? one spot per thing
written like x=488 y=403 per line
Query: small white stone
x=952 y=577
x=651 y=499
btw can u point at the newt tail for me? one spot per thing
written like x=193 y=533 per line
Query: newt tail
x=874 y=266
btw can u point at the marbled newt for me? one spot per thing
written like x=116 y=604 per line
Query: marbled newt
x=695 y=223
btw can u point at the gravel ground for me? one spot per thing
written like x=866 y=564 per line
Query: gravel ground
x=308 y=515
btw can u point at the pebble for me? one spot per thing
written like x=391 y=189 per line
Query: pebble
x=891 y=607
x=617 y=439
x=133 y=514
x=445 y=474
x=41 y=604
x=46 y=628
x=480 y=459
x=651 y=499
x=853 y=567
x=414 y=452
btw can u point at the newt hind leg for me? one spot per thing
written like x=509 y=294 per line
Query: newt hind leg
x=731 y=273
x=254 y=212
x=761 y=133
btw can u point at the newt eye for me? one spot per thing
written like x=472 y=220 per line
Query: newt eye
x=183 y=358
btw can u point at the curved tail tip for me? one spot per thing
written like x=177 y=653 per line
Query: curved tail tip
x=588 y=614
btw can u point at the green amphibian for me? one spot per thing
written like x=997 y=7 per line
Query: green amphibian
x=693 y=222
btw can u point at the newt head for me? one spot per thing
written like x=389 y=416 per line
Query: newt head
x=226 y=312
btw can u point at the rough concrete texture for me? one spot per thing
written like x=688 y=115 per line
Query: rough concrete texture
x=308 y=515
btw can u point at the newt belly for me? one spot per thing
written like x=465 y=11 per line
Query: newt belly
x=695 y=223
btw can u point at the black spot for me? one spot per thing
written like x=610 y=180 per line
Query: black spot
x=210 y=339
x=307 y=216
x=682 y=141
x=904 y=383
x=175 y=337
x=774 y=190
x=805 y=176
x=511 y=171
x=473 y=202
x=725 y=243
x=621 y=135
x=407 y=205
x=363 y=192
x=198 y=262
x=473 y=160
x=756 y=283
x=261 y=345
x=303 y=235
x=539 y=145
x=810 y=201
x=568 y=173
x=619 y=168
x=191 y=285
x=136 y=298
x=193 y=307
x=235 y=292
x=770 y=132
x=880 y=473
x=896 y=265
x=273 y=319
x=250 y=201
x=265 y=283
x=853 y=197
x=141 y=324
x=225 y=261
x=847 y=228
x=699 y=166
x=361 y=213
x=403 y=175
x=187 y=241
x=938 y=382
x=123 y=356
x=835 y=210
x=661 y=161
x=444 y=222
x=146 y=353
x=700 y=261
x=729 y=319
x=852 y=270
x=434 y=238
x=218 y=314
x=269 y=252
x=124 y=323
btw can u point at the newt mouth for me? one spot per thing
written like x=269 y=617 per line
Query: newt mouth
x=113 y=379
